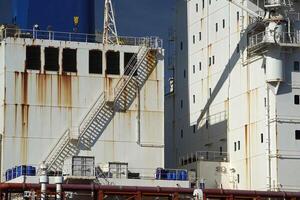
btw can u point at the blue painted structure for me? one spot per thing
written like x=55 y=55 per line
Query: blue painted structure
x=59 y=14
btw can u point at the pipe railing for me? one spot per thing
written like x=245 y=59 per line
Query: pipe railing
x=154 y=42
x=213 y=156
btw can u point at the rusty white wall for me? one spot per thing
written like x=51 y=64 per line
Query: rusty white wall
x=40 y=105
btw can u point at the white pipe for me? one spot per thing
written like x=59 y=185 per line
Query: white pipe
x=58 y=182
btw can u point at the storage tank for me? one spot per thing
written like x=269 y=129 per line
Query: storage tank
x=274 y=65
x=57 y=15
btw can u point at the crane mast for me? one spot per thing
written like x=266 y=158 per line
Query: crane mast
x=110 y=34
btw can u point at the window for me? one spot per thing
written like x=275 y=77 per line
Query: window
x=234 y=146
x=238 y=178
x=203 y=1
x=95 y=62
x=216 y=27
x=296 y=66
x=194 y=39
x=194 y=99
x=113 y=62
x=200 y=36
x=221 y=150
x=184 y=73
x=265 y=100
x=194 y=128
x=33 y=57
x=296 y=100
x=194 y=69
x=213 y=60
x=239 y=145
x=197 y=7
x=209 y=2
x=181 y=133
x=69 y=60
x=223 y=23
x=51 y=59
x=297 y=134
x=209 y=61
x=181 y=103
x=200 y=66
x=206 y=124
x=238 y=16
x=261 y=138
x=238 y=48
x=209 y=92
x=181 y=45
x=127 y=58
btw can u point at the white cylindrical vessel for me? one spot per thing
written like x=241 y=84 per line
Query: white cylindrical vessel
x=274 y=65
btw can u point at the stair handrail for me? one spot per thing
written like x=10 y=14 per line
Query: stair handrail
x=101 y=98
x=122 y=82
x=65 y=136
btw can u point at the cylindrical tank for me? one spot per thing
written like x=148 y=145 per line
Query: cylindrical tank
x=56 y=15
x=274 y=65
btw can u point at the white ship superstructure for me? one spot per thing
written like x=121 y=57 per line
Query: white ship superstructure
x=65 y=94
x=236 y=93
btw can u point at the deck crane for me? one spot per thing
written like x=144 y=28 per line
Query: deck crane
x=110 y=34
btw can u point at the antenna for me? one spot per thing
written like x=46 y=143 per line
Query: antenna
x=110 y=34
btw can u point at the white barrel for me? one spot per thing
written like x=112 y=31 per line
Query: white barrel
x=274 y=65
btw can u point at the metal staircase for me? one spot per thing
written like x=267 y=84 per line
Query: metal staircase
x=103 y=110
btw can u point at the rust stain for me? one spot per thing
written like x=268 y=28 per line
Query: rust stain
x=24 y=82
x=41 y=88
x=64 y=90
x=24 y=134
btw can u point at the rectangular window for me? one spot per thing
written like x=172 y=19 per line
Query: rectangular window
x=213 y=60
x=194 y=99
x=181 y=45
x=51 y=59
x=296 y=66
x=209 y=61
x=181 y=133
x=194 y=129
x=203 y=1
x=238 y=16
x=261 y=138
x=194 y=69
x=200 y=66
x=113 y=62
x=238 y=48
x=181 y=103
x=33 y=57
x=296 y=99
x=206 y=124
x=194 y=39
x=216 y=27
x=69 y=60
x=200 y=36
x=127 y=58
x=95 y=62
x=209 y=2
x=209 y=92
x=223 y=23
x=238 y=178
x=221 y=150
x=265 y=100
x=239 y=145
x=197 y=7
x=234 y=146
x=297 y=134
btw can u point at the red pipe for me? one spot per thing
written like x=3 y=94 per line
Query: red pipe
x=102 y=189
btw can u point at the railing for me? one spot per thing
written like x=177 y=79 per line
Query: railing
x=273 y=37
x=213 y=156
x=154 y=42
x=66 y=136
x=97 y=104
x=129 y=71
